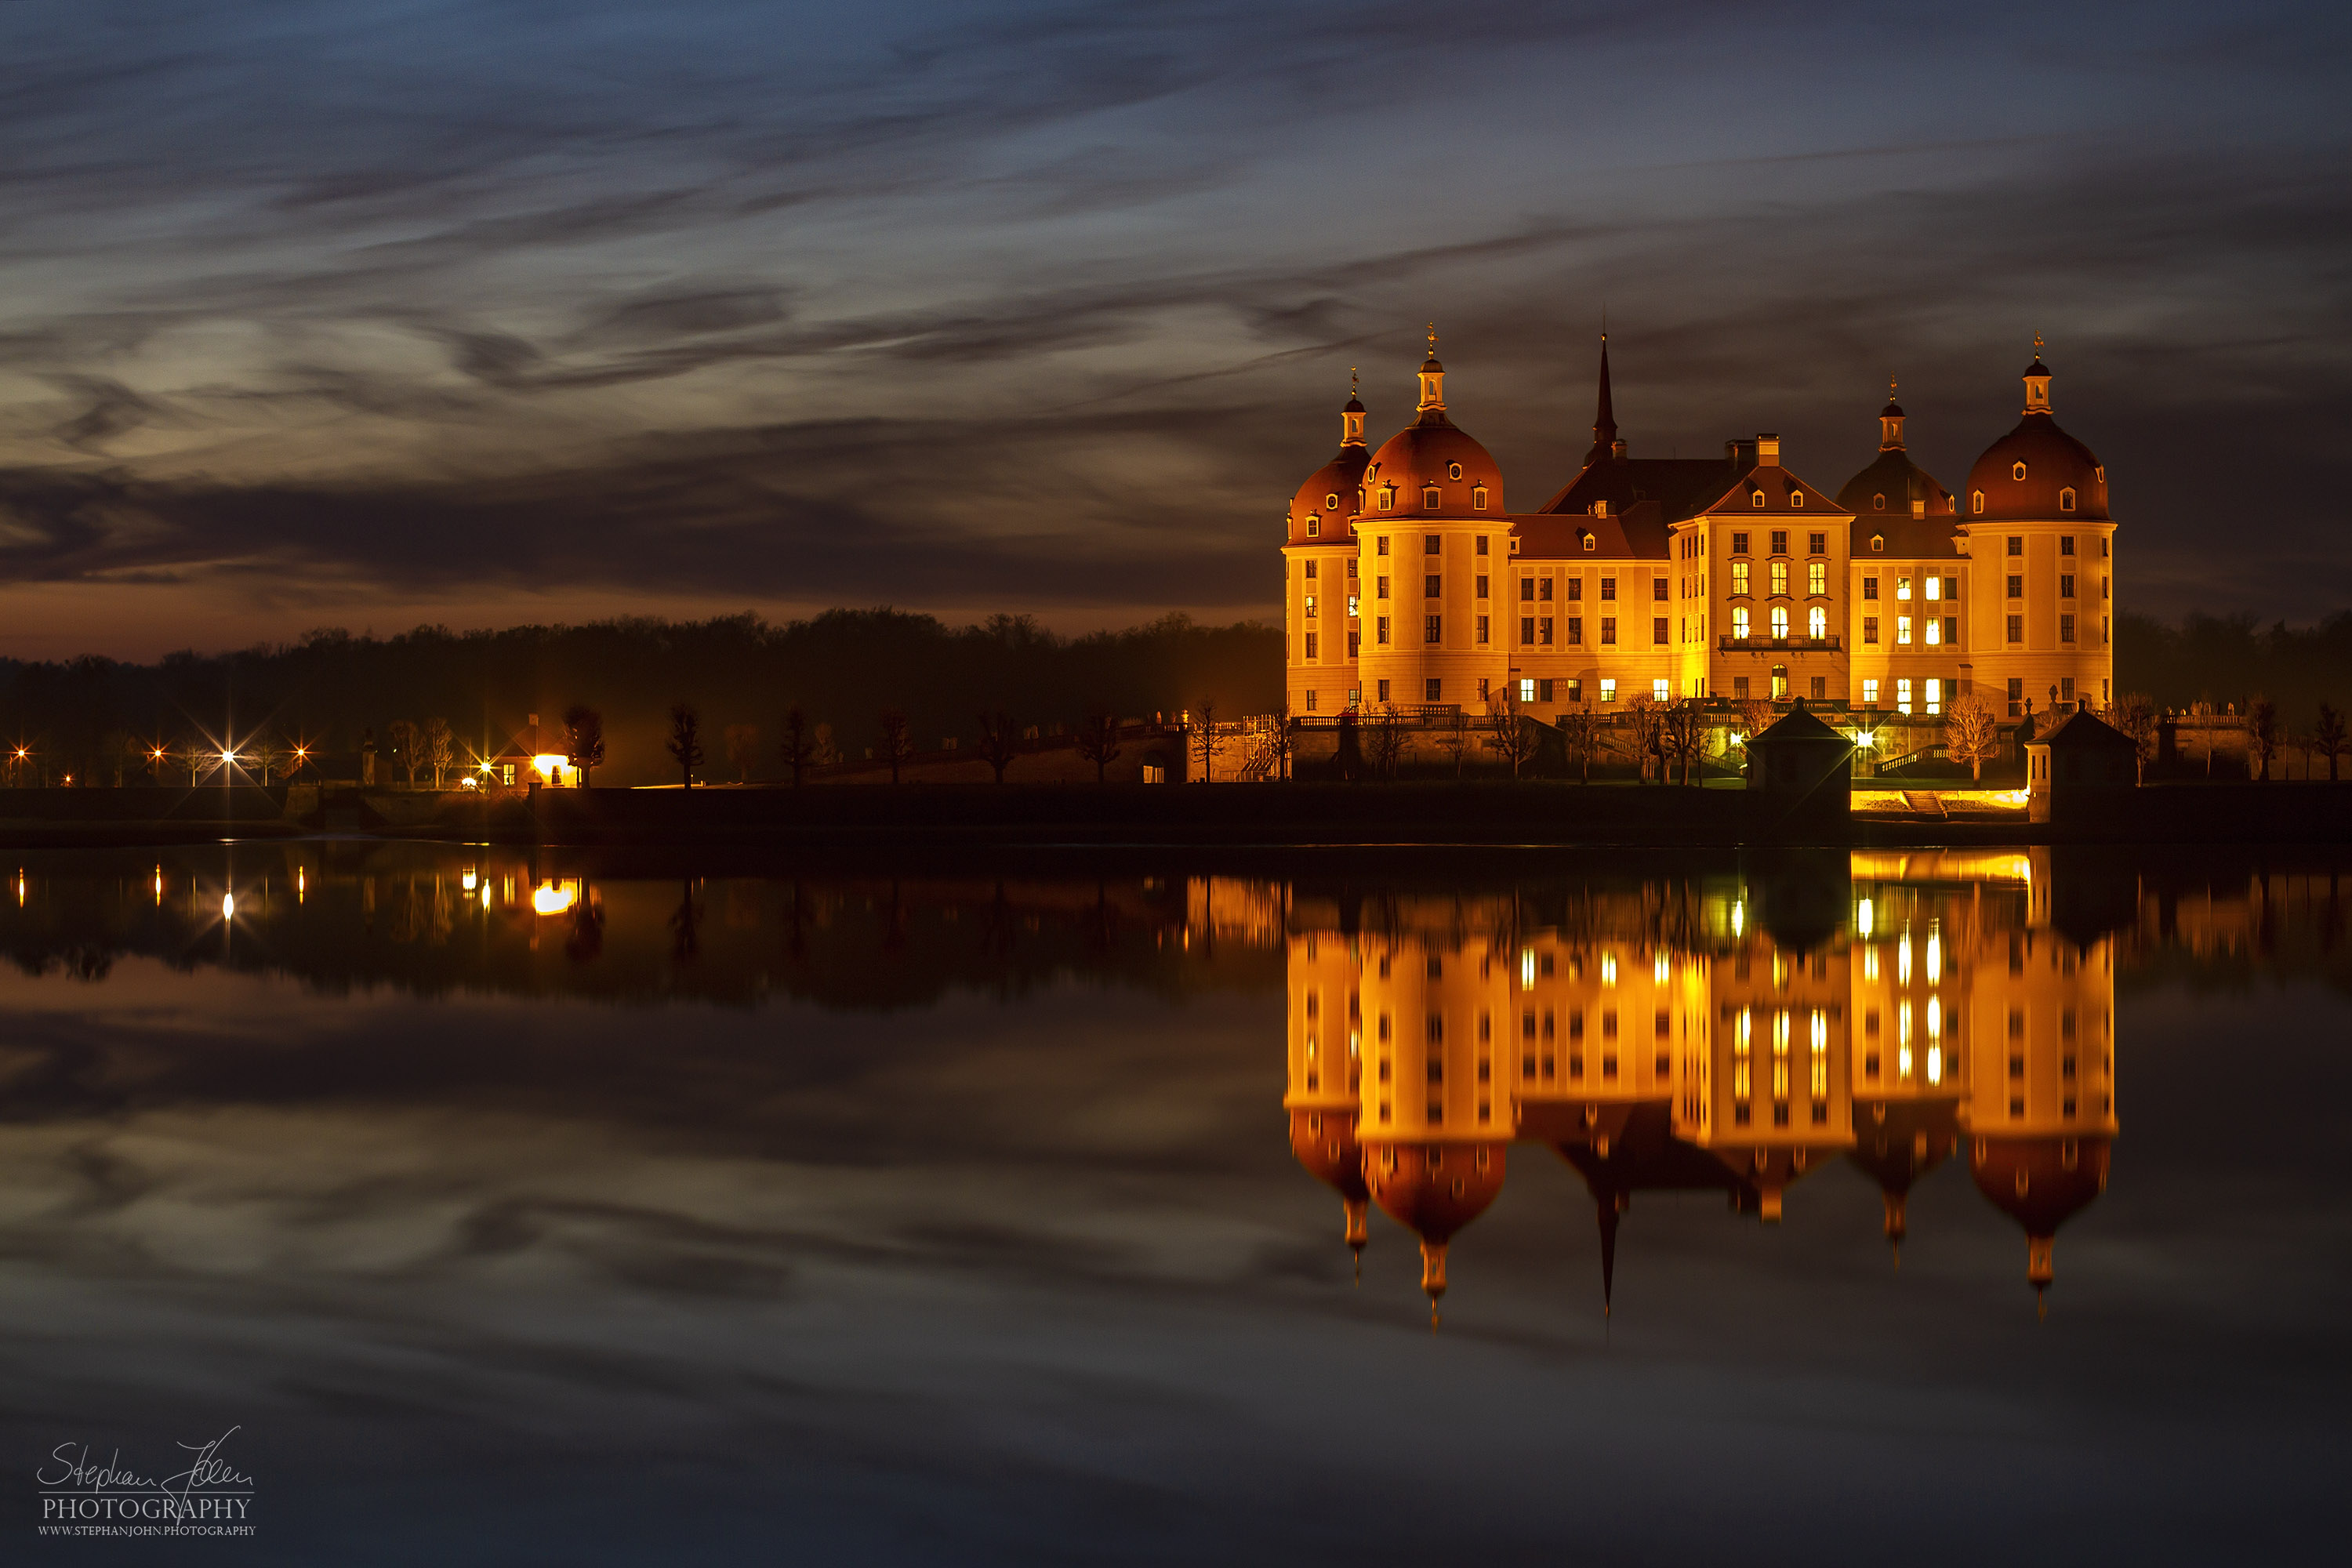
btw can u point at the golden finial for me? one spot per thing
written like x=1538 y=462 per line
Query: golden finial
x=1352 y=381
x=2037 y=345
x=1433 y=340
x=1890 y=389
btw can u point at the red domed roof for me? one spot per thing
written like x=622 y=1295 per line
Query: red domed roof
x=1433 y=1190
x=1433 y=453
x=2037 y=473
x=1328 y=499
x=2041 y=1182
x=1325 y=1142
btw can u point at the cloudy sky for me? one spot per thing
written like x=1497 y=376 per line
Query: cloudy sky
x=372 y=312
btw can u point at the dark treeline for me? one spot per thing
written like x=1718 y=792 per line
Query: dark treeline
x=844 y=668
x=2230 y=660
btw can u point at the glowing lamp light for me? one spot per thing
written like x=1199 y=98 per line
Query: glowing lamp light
x=546 y=767
x=228 y=906
x=468 y=880
x=554 y=897
x=1864 y=916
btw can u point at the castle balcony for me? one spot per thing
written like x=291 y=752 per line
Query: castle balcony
x=1777 y=645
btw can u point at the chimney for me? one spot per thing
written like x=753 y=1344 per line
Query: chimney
x=1767 y=451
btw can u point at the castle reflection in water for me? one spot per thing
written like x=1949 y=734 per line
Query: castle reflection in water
x=1693 y=1036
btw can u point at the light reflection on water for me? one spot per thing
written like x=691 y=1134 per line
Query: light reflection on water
x=953 y=1217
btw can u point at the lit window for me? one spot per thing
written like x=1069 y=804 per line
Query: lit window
x=1817 y=622
x=1934 y=629
x=1608 y=689
x=1739 y=620
x=1935 y=702
x=1528 y=690
x=1661 y=691
x=1870 y=694
x=1902 y=631
x=1903 y=697
x=1780 y=620
x=1817 y=577
x=1738 y=578
x=1310 y=606
x=1932 y=587
x=1902 y=587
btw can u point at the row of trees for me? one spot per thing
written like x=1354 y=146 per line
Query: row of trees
x=803 y=745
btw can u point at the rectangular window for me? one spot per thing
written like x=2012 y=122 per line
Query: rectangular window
x=2103 y=593
x=1381 y=545
x=1380 y=631
x=1902 y=631
x=1527 y=688
x=1608 y=587
x=1526 y=631
x=2066 y=688
x=1739 y=688
x=1543 y=690
x=1575 y=691
x=1870 y=694
x=1479 y=591
x=1576 y=631
x=1661 y=691
x=1480 y=547
x=1817 y=544
x=1352 y=607
x=1355 y=643
x=1429 y=544
x=1482 y=631
x=1740 y=544
x=1609 y=691
x=1870 y=628
x=2016 y=545
x=1311 y=647
x=1817 y=577
x=1543 y=590
x=1902 y=587
x=1527 y=590
x=1310 y=571
x=1779 y=577
x=1379 y=587
x=1779 y=542
x=1384 y=691
x=1870 y=587
x=1903 y=697
x=1935 y=630
x=1432 y=586
x=1608 y=631
x=2066 y=629
x=1952 y=588
x=1388 y=502
x=1952 y=631
x=2016 y=696
x=2066 y=586
x=1351 y=568
x=1738 y=578
x=1935 y=696
x=1820 y=687
x=1432 y=690
x=1658 y=632
x=2017 y=628
x=1931 y=587
x=2067 y=546
x=1658 y=590
x=1543 y=630
x=1433 y=629
x=2016 y=586
x=1310 y=606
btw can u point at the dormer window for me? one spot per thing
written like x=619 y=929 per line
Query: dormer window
x=2100 y=474
x=1591 y=542
x=1429 y=499
x=1796 y=498
x=1878 y=503
x=1755 y=498
x=1388 y=499
x=1479 y=498
x=2018 y=472
x=1976 y=501
x=1314 y=528
x=1453 y=470
x=2066 y=499
x=1878 y=542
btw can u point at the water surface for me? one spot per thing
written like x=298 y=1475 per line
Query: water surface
x=545 y=1209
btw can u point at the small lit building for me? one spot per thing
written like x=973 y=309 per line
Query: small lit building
x=534 y=754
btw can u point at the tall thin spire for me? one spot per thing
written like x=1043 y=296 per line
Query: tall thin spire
x=1604 y=417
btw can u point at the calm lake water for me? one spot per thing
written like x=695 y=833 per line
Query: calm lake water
x=541 y=1209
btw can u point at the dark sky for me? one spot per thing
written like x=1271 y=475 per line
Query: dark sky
x=327 y=312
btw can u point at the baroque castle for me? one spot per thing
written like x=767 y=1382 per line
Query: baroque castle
x=1409 y=582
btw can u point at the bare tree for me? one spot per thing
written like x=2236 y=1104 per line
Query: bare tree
x=895 y=746
x=742 y=742
x=1282 y=740
x=403 y=738
x=1580 y=737
x=1642 y=731
x=796 y=747
x=1204 y=739
x=2328 y=738
x=2262 y=735
x=1971 y=731
x=1099 y=743
x=1384 y=740
x=1510 y=732
x=583 y=740
x=1684 y=735
x=686 y=740
x=999 y=742
x=2135 y=715
x=440 y=748
x=1454 y=737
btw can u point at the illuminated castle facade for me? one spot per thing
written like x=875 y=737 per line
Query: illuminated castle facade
x=1410 y=583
